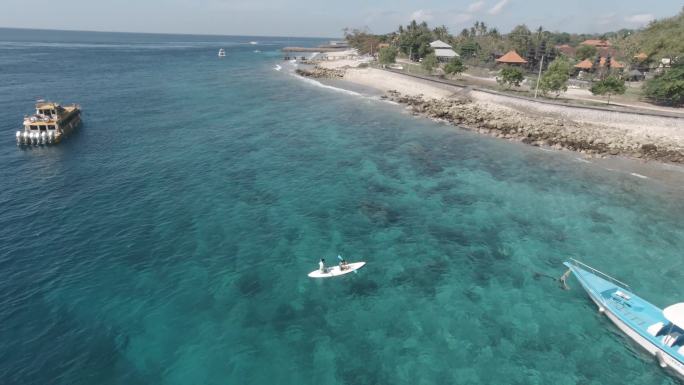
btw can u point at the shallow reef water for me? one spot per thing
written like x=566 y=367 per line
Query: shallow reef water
x=168 y=241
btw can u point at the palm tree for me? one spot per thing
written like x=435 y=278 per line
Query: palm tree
x=441 y=32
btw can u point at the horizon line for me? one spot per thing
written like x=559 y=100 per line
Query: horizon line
x=166 y=33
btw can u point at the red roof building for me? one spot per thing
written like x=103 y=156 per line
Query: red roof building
x=585 y=64
x=613 y=63
x=511 y=57
x=640 y=56
x=596 y=43
x=566 y=50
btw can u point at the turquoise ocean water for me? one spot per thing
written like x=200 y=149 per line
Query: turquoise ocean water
x=168 y=241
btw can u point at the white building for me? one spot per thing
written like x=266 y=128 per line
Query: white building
x=443 y=51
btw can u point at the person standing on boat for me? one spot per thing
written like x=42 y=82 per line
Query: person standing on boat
x=321 y=265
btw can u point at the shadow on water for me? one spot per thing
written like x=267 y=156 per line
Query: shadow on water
x=381 y=214
x=362 y=286
x=425 y=278
x=95 y=352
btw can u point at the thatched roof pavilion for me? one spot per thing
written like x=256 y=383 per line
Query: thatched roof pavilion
x=511 y=57
x=585 y=64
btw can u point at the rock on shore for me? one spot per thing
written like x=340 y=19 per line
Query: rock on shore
x=320 y=73
x=537 y=130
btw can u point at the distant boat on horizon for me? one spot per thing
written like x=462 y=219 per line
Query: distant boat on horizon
x=222 y=53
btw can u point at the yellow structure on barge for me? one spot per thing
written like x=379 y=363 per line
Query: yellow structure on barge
x=50 y=124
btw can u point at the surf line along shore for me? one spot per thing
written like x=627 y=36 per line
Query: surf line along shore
x=595 y=132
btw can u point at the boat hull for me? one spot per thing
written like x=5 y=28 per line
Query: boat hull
x=63 y=130
x=335 y=271
x=664 y=359
x=645 y=341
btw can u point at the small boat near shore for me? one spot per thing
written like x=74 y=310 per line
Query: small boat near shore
x=50 y=123
x=658 y=331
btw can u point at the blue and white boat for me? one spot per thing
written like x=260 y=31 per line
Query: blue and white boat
x=659 y=331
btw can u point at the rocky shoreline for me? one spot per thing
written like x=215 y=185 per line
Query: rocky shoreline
x=530 y=127
x=558 y=133
x=320 y=73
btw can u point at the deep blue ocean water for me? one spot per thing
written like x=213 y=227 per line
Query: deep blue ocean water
x=168 y=241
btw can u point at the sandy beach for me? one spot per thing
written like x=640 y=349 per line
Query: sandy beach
x=385 y=81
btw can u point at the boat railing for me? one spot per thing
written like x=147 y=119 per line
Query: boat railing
x=599 y=273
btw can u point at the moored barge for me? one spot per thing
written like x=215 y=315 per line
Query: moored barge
x=50 y=123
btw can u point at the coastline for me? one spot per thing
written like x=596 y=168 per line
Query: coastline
x=591 y=132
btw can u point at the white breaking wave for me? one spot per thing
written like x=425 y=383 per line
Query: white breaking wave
x=582 y=160
x=638 y=175
x=319 y=84
x=290 y=71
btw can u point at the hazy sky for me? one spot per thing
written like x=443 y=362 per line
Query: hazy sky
x=326 y=19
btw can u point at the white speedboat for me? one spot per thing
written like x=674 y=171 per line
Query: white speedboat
x=659 y=331
x=222 y=53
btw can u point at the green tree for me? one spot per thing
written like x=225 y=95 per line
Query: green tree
x=660 y=39
x=387 y=55
x=519 y=39
x=555 y=79
x=454 y=66
x=510 y=76
x=667 y=88
x=609 y=86
x=469 y=49
x=430 y=62
x=441 y=33
x=414 y=40
x=585 y=51
x=362 y=40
